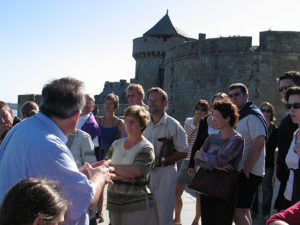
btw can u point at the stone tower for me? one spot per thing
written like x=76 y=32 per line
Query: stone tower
x=149 y=52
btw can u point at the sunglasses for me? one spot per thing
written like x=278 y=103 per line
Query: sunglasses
x=200 y=108
x=236 y=94
x=284 y=88
x=266 y=110
x=294 y=105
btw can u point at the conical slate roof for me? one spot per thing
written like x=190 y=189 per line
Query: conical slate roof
x=165 y=28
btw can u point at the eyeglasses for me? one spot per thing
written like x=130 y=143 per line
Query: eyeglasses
x=294 y=105
x=284 y=88
x=236 y=94
x=130 y=122
x=266 y=110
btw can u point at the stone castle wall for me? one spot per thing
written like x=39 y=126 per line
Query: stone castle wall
x=197 y=69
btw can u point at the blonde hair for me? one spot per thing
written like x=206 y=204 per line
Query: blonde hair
x=139 y=88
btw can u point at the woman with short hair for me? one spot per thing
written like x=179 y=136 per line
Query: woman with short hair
x=129 y=199
x=220 y=151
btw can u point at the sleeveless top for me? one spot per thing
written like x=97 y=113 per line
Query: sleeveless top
x=107 y=136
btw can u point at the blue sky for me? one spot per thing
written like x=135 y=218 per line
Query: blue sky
x=92 y=40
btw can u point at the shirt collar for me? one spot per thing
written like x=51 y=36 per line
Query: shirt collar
x=163 y=120
x=52 y=125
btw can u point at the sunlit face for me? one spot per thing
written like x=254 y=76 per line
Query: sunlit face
x=284 y=85
x=6 y=116
x=267 y=112
x=238 y=98
x=218 y=120
x=155 y=103
x=134 y=98
x=109 y=106
x=133 y=126
x=295 y=113
x=89 y=105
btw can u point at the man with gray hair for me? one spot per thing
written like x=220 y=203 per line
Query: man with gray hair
x=36 y=148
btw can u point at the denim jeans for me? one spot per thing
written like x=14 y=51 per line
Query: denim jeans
x=267 y=187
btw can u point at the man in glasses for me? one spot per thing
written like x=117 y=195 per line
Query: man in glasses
x=285 y=136
x=252 y=126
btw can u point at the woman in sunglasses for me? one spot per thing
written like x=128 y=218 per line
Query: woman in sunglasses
x=292 y=158
x=271 y=144
x=191 y=126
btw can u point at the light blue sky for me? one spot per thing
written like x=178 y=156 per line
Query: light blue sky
x=91 y=40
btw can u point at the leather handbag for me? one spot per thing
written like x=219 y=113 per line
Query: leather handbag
x=296 y=185
x=215 y=183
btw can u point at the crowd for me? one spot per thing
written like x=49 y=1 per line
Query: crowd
x=56 y=161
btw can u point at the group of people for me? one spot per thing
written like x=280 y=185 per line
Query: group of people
x=66 y=154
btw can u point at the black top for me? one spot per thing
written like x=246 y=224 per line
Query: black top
x=200 y=139
x=285 y=135
x=271 y=146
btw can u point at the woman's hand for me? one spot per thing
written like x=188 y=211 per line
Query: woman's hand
x=196 y=155
x=190 y=172
x=227 y=168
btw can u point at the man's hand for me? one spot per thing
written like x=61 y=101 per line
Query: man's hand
x=104 y=170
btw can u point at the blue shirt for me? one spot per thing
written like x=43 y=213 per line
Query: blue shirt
x=35 y=148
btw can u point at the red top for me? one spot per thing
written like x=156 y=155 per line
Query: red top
x=290 y=215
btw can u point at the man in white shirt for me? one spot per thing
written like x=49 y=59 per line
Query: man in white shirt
x=163 y=175
x=88 y=123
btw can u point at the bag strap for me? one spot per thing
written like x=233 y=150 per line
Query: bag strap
x=70 y=140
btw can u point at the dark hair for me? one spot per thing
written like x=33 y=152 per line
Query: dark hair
x=272 y=118
x=4 y=106
x=30 y=198
x=114 y=98
x=139 y=113
x=29 y=109
x=292 y=91
x=292 y=75
x=227 y=109
x=160 y=91
x=202 y=103
x=241 y=86
x=62 y=98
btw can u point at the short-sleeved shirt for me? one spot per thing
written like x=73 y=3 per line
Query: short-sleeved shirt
x=251 y=127
x=82 y=147
x=36 y=148
x=169 y=128
x=131 y=197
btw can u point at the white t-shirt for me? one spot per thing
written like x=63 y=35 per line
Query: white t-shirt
x=251 y=127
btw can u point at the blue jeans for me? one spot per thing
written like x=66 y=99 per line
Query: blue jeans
x=267 y=188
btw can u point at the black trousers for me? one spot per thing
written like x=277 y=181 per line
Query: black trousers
x=215 y=211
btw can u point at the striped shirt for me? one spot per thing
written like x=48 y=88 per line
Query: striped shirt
x=191 y=132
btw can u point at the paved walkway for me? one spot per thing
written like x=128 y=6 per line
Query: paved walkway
x=188 y=211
